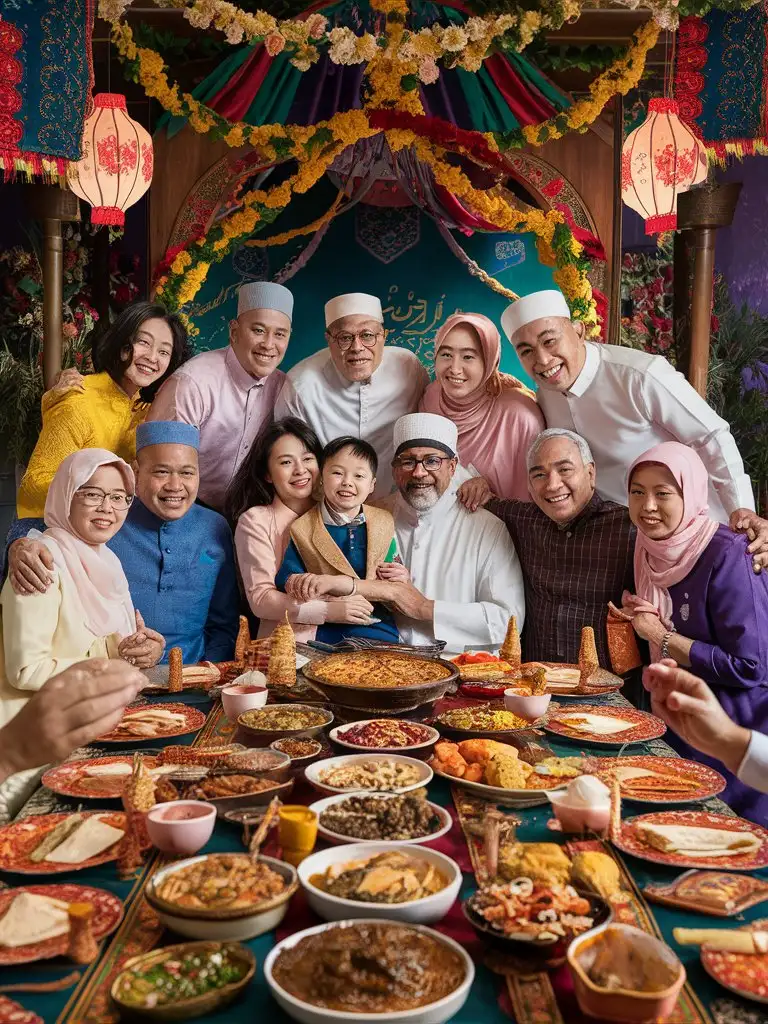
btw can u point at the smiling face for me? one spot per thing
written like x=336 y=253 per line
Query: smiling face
x=259 y=339
x=293 y=470
x=152 y=351
x=459 y=363
x=167 y=479
x=422 y=488
x=559 y=481
x=552 y=351
x=347 y=480
x=357 y=345
x=93 y=514
x=656 y=504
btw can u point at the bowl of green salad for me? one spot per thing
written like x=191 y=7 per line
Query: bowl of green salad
x=179 y=982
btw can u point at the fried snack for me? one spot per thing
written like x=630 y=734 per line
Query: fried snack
x=82 y=947
x=511 y=650
x=507 y=772
x=243 y=639
x=479 y=751
x=542 y=862
x=206 y=757
x=598 y=873
x=129 y=856
x=615 y=825
x=175 y=670
x=139 y=791
x=282 y=656
x=588 y=660
x=448 y=759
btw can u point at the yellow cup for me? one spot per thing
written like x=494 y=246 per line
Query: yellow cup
x=297 y=831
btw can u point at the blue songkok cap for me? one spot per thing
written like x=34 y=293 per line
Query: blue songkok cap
x=264 y=295
x=167 y=432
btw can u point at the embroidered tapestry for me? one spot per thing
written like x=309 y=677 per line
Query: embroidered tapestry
x=46 y=80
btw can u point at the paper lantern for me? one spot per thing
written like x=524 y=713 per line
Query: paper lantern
x=115 y=169
x=659 y=160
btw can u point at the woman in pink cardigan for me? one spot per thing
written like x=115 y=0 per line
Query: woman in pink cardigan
x=275 y=485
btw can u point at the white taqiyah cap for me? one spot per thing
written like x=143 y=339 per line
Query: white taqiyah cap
x=264 y=295
x=351 y=304
x=426 y=430
x=532 y=307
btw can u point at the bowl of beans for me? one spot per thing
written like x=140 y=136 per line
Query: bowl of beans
x=386 y=736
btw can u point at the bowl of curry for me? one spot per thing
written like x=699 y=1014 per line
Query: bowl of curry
x=369 y=970
x=381 y=680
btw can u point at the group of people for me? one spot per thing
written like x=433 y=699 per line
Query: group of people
x=167 y=493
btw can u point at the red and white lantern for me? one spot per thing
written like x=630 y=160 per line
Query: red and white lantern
x=115 y=169
x=660 y=159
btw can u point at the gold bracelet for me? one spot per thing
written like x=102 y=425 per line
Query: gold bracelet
x=353 y=591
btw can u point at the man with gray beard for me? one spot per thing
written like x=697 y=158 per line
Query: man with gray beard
x=466 y=580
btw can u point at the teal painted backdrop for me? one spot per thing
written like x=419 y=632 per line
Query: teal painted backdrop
x=395 y=253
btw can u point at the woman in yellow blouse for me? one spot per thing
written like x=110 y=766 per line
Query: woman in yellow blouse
x=132 y=358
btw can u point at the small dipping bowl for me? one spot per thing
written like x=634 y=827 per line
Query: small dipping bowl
x=526 y=705
x=297 y=831
x=579 y=819
x=181 y=826
x=239 y=697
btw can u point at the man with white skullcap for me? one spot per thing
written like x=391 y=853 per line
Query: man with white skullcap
x=356 y=386
x=466 y=577
x=229 y=393
x=623 y=401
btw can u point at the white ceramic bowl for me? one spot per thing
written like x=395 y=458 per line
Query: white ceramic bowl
x=525 y=705
x=427 y=910
x=239 y=697
x=233 y=926
x=335 y=837
x=433 y=1013
x=313 y=771
x=181 y=836
x=423 y=749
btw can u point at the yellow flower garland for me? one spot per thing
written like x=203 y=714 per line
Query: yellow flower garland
x=307 y=229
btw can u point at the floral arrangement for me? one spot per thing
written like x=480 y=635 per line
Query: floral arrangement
x=646 y=301
x=21 y=329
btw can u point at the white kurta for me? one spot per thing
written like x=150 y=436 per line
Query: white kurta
x=317 y=393
x=466 y=563
x=754 y=768
x=625 y=401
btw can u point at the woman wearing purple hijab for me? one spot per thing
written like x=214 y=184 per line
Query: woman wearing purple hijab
x=698 y=599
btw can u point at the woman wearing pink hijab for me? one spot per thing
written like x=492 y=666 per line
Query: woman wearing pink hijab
x=88 y=612
x=497 y=416
x=698 y=599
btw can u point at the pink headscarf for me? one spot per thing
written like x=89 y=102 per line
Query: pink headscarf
x=498 y=421
x=659 y=564
x=95 y=570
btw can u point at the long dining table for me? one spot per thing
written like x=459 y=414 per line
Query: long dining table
x=500 y=992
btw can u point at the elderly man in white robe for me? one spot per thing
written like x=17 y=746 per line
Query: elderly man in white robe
x=623 y=401
x=356 y=386
x=466 y=579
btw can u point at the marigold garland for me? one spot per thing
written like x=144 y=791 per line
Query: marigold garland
x=306 y=229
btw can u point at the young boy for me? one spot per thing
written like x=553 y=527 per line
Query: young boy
x=342 y=541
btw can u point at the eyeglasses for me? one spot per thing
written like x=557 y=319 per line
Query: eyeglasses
x=432 y=463
x=93 y=497
x=367 y=338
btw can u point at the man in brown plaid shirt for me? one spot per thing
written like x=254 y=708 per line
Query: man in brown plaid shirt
x=576 y=550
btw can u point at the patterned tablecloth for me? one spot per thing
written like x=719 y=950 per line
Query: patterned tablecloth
x=527 y=997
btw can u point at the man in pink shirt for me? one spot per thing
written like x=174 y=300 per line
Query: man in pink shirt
x=229 y=393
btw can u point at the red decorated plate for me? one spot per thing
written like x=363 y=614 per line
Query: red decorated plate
x=141 y=723
x=21 y=838
x=15 y=1013
x=746 y=974
x=107 y=915
x=603 y=725
x=483 y=691
x=630 y=840
x=675 y=780
x=72 y=778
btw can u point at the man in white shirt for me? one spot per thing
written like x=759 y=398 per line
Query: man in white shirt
x=466 y=579
x=691 y=709
x=356 y=386
x=229 y=393
x=622 y=402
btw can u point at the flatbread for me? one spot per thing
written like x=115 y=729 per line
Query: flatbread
x=33 y=918
x=88 y=840
x=600 y=725
x=697 y=841
x=562 y=678
x=121 y=768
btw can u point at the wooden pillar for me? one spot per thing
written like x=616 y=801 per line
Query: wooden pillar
x=680 y=301
x=52 y=205
x=703 y=245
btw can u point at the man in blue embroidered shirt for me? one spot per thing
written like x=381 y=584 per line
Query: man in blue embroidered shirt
x=177 y=556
